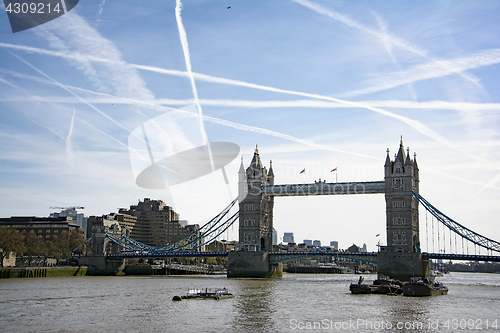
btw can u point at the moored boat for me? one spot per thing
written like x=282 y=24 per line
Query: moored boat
x=360 y=288
x=424 y=287
x=382 y=285
x=205 y=294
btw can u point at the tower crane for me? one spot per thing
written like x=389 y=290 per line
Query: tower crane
x=64 y=208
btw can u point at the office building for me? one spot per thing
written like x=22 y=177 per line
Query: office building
x=288 y=237
x=153 y=223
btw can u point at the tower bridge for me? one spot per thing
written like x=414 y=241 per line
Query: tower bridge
x=401 y=258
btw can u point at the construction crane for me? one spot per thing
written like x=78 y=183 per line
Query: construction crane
x=64 y=208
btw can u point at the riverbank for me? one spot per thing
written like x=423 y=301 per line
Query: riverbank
x=33 y=272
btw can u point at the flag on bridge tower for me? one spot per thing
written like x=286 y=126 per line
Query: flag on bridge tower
x=336 y=174
x=303 y=171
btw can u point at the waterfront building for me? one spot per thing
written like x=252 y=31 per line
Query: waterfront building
x=46 y=227
x=317 y=243
x=334 y=245
x=288 y=237
x=275 y=237
x=78 y=218
x=363 y=248
x=154 y=223
x=308 y=242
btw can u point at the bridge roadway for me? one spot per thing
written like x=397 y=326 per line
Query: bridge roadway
x=323 y=188
x=285 y=256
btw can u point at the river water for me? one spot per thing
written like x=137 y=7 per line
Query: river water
x=296 y=302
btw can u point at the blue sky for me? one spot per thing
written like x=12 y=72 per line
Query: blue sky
x=316 y=84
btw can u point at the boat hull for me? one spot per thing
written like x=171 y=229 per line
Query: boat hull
x=419 y=290
x=361 y=288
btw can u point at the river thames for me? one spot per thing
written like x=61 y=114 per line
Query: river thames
x=296 y=302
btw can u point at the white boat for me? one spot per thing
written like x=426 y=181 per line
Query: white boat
x=205 y=294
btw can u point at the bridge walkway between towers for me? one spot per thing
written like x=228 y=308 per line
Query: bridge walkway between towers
x=323 y=188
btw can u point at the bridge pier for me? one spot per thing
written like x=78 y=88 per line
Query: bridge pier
x=402 y=265
x=252 y=264
x=100 y=265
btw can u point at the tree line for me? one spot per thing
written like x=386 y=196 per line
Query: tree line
x=29 y=244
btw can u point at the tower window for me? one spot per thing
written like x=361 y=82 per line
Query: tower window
x=397 y=181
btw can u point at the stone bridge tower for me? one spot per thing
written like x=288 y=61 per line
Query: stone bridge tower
x=255 y=224
x=401 y=178
x=401 y=258
x=256 y=208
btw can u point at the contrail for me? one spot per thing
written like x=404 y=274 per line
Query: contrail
x=72 y=93
x=388 y=46
x=187 y=58
x=397 y=104
x=382 y=36
x=107 y=99
x=12 y=85
x=353 y=24
x=410 y=122
x=490 y=184
x=413 y=123
x=433 y=69
x=207 y=118
x=69 y=148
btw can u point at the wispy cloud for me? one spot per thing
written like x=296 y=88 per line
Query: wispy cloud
x=433 y=69
x=185 y=113
x=103 y=98
x=99 y=13
x=71 y=34
x=490 y=184
x=385 y=37
x=418 y=126
x=389 y=40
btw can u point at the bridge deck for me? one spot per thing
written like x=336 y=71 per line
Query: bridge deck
x=284 y=256
x=323 y=188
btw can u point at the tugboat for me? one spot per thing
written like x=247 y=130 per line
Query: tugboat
x=386 y=285
x=360 y=288
x=205 y=294
x=382 y=285
x=424 y=287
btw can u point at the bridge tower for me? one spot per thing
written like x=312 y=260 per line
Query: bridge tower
x=401 y=258
x=401 y=178
x=256 y=208
x=255 y=223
